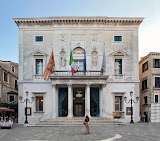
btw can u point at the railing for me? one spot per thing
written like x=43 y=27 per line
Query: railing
x=79 y=73
x=70 y=74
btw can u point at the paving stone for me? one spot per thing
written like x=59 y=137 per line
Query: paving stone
x=136 y=132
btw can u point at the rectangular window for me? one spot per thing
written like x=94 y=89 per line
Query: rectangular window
x=145 y=100
x=144 y=84
x=79 y=64
x=118 y=103
x=145 y=66
x=11 y=98
x=15 y=85
x=13 y=69
x=39 y=66
x=156 y=63
x=118 y=66
x=39 y=103
x=118 y=38
x=38 y=38
x=156 y=98
x=157 y=82
x=5 y=76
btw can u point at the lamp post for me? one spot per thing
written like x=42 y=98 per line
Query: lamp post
x=26 y=100
x=131 y=100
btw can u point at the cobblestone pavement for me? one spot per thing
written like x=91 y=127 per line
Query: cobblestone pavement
x=136 y=132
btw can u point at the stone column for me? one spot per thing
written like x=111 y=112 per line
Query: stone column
x=87 y=100
x=54 y=100
x=70 y=101
x=103 y=100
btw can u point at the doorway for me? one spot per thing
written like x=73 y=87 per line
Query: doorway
x=79 y=102
x=63 y=102
x=94 y=102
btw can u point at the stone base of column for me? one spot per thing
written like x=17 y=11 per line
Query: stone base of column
x=69 y=116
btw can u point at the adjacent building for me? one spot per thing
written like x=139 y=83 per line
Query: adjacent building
x=105 y=52
x=8 y=82
x=149 y=69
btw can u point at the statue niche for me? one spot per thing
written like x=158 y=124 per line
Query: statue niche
x=62 y=58
x=94 y=55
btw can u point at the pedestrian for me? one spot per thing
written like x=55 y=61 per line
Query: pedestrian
x=86 y=123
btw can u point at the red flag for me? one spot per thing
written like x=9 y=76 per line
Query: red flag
x=50 y=66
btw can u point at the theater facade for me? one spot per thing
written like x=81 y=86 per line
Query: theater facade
x=111 y=42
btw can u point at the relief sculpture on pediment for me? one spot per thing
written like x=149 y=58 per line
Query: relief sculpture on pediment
x=78 y=50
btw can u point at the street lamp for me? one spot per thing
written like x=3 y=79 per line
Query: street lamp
x=26 y=100
x=131 y=100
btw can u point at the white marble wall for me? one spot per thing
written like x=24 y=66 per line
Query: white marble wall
x=91 y=37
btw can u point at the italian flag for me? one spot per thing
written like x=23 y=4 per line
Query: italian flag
x=71 y=63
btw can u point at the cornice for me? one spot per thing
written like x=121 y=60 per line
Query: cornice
x=150 y=54
x=71 y=20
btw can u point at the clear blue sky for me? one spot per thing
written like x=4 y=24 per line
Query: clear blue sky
x=148 y=32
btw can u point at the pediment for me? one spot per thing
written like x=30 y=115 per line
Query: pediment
x=38 y=53
x=78 y=50
x=118 y=53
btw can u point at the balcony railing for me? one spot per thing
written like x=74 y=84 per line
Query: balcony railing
x=70 y=74
x=79 y=73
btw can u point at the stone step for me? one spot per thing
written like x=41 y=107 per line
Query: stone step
x=64 y=121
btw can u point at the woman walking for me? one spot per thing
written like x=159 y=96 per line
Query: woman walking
x=86 y=121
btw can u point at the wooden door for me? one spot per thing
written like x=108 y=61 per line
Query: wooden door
x=78 y=110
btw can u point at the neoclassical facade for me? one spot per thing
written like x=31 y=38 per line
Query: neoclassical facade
x=92 y=92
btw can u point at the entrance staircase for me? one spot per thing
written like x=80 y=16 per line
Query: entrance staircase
x=75 y=121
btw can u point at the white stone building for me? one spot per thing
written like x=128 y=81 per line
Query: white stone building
x=94 y=93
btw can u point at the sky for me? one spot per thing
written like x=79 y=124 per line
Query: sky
x=148 y=31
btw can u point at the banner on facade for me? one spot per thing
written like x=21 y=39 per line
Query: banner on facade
x=71 y=63
x=50 y=66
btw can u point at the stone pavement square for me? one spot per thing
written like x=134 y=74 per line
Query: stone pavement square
x=136 y=132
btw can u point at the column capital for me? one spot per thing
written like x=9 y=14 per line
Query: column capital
x=103 y=84
x=53 y=84
x=69 y=84
x=88 y=84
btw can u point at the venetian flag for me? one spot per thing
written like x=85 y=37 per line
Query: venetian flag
x=103 y=62
x=50 y=66
x=84 y=60
x=71 y=63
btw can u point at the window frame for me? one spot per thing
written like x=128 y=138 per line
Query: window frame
x=143 y=67
x=35 y=37
x=144 y=84
x=120 y=94
x=116 y=37
x=41 y=66
x=145 y=99
x=36 y=109
x=38 y=94
x=78 y=61
x=13 y=67
x=10 y=98
x=156 y=82
x=156 y=97
x=4 y=72
x=121 y=66
x=16 y=84
x=154 y=63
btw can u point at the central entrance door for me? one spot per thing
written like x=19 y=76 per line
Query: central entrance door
x=79 y=102
x=78 y=109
